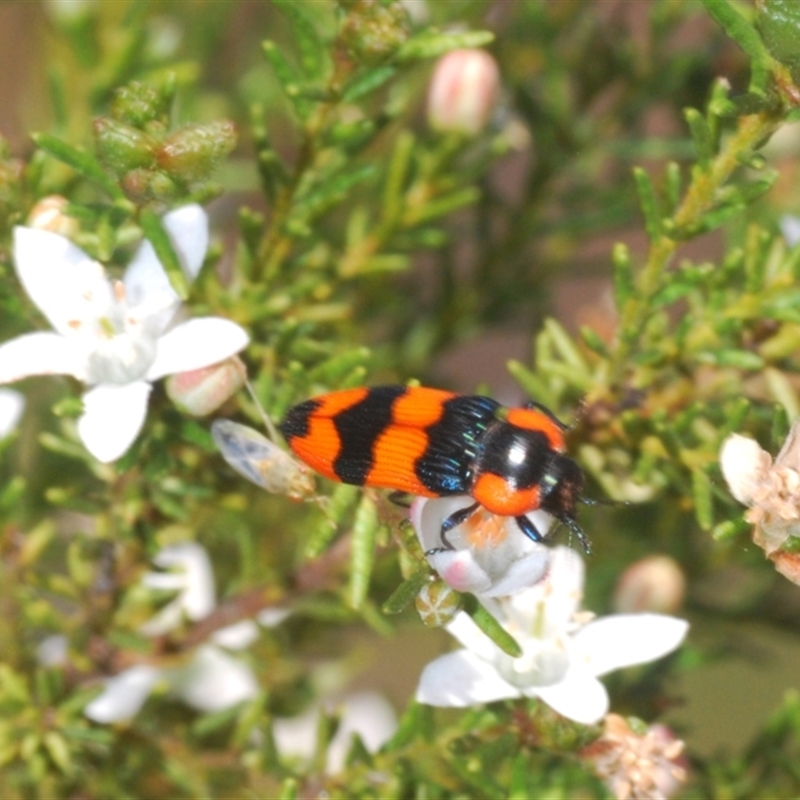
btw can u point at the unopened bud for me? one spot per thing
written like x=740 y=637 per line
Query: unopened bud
x=49 y=215
x=193 y=153
x=654 y=583
x=463 y=91
x=437 y=604
x=373 y=31
x=201 y=391
x=138 y=103
x=122 y=147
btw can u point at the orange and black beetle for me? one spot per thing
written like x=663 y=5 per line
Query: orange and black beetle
x=433 y=443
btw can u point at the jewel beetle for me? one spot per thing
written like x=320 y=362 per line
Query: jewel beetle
x=435 y=443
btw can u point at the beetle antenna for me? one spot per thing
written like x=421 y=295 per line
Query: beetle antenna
x=268 y=423
x=579 y=533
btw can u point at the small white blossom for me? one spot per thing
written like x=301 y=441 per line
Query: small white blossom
x=117 y=337
x=489 y=555
x=563 y=653
x=212 y=679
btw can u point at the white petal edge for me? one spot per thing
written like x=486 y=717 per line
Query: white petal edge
x=197 y=343
x=623 y=640
x=64 y=283
x=213 y=681
x=12 y=404
x=579 y=697
x=470 y=636
x=790 y=228
x=461 y=679
x=744 y=465
x=146 y=282
x=522 y=573
x=40 y=353
x=112 y=418
x=124 y=695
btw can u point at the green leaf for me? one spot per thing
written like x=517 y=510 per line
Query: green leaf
x=648 y=202
x=367 y=82
x=157 y=235
x=532 y=385
x=491 y=627
x=331 y=192
x=624 y=283
x=362 y=556
x=406 y=592
x=701 y=135
x=444 y=205
x=703 y=502
x=738 y=28
x=394 y=188
x=288 y=77
x=431 y=43
x=309 y=43
x=81 y=161
x=732 y=357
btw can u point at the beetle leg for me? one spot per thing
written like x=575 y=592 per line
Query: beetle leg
x=529 y=529
x=453 y=521
x=579 y=532
x=400 y=499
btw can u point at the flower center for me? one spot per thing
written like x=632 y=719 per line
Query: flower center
x=121 y=349
x=543 y=663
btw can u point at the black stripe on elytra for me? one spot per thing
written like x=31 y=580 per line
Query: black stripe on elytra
x=359 y=428
x=453 y=444
x=295 y=423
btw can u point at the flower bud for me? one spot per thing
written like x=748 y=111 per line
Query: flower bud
x=49 y=215
x=655 y=583
x=372 y=31
x=193 y=153
x=463 y=91
x=121 y=147
x=201 y=391
x=138 y=103
x=437 y=604
x=779 y=24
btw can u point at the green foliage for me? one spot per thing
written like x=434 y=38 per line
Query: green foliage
x=358 y=246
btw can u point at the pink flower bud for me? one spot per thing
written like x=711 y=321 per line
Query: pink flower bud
x=201 y=391
x=462 y=92
x=49 y=215
x=655 y=583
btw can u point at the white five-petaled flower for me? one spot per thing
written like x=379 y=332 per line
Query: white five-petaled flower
x=488 y=555
x=117 y=337
x=212 y=679
x=563 y=653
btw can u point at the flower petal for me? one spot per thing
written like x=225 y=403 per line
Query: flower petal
x=123 y=695
x=237 y=636
x=12 y=404
x=623 y=640
x=197 y=343
x=40 y=353
x=579 y=697
x=67 y=286
x=462 y=679
x=213 y=680
x=470 y=636
x=193 y=579
x=146 y=282
x=112 y=418
x=744 y=466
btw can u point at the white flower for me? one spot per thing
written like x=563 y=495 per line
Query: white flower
x=366 y=714
x=212 y=679
x=563 y=653
x=12 y=404
x=490 y=555
x=114 y=336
